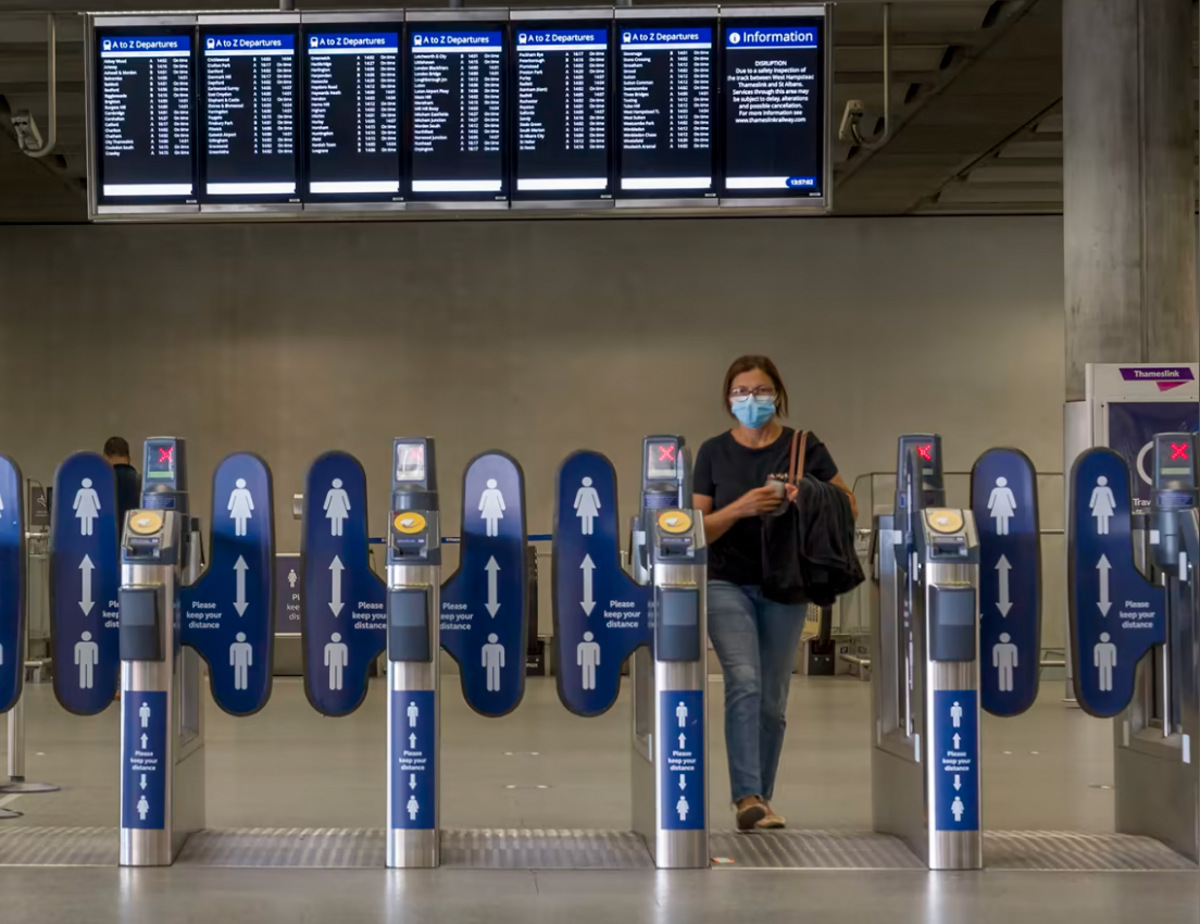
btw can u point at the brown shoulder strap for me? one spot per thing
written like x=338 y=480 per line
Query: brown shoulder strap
x=799 y=447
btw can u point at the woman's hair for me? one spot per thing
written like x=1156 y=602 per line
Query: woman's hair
x=764 y=364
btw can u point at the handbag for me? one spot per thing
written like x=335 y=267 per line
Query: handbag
x=783 y=574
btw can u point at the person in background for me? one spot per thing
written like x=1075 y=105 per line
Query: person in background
x=129 y=483
x=756 y=639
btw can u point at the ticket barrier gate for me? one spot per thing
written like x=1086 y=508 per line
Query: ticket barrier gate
x=1135 y=633
x=669 y=676
x=925 y=681
x=162 y=728
x=414 y=559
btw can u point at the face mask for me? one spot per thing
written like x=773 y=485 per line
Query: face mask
x=754 y=412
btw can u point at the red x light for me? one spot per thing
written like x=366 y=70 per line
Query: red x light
x=926 y=452
x=166 y=453
x=666 y=452
x=1179 y=451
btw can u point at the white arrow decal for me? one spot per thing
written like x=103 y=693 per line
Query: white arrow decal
x=412 y=781
x=143 y=782
x=957 y=742
x=682 y=741
x=412 y=741
x=682 y=781
x=492 y=603
x=85 y=595
x=337 y=568
x=1103 y=566
x=957 y=782
x=1004 y=604
x=240 y=603
x=145 y=741
x=588 y=603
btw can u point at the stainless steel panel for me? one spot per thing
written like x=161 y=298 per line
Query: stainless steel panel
x=263 y=17
x=499 y=14
x=553 y=15
x=352 y=18
x=417 y=849
x=770 y=11
x=834 y=850
x=683 y=12
x=680 y=849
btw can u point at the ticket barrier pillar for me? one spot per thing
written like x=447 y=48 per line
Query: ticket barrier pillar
x=162 y=733
x=1155 y=737
x=413 y=646
x=925 y=676
x=670 y=789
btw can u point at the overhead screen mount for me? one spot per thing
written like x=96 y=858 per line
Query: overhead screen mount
x=599 y=110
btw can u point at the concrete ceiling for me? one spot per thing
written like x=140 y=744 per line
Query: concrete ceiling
x=976 y=91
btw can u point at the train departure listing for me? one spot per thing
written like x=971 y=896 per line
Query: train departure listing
x=667 y=111
x=251 y=117
x=774 y=112
x=457 y=106
x=354 y=129
x=562 y=121
x=146 y=120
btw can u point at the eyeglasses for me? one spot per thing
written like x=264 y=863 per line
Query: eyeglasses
x=762 y=391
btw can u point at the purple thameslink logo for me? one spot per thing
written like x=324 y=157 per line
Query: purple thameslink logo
x=1166 y=377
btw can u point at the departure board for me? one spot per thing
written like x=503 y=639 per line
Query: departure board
x=146 y=116
x=249 y=94
x=352 y=112
x=773 y=98
x=561 y=110
x=667 y=110
x=614 y=108
x=456 y=99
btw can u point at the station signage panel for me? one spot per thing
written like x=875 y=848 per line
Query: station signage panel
x=354 y=126
x=145 y=81
x=667 y=108
x=562 y=111
x=774 y=107
x=456 y=94
x=249 y=97
x=283 y=112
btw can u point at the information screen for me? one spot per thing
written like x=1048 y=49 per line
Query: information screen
x=146 y=116
x=352 y=112
x=774 y=108
x=667 y=81
x=456 y=98
x=562 y=111
x=249 y=95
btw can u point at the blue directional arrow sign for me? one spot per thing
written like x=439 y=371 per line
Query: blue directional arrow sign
x=956 y=760
x=85 y=573
x=344 y=613
x=600 y=612
x=144 y=760
x=1116 y=614
x=1005 y=503
x=227 y=614
x=12 y=583
x=483 y=622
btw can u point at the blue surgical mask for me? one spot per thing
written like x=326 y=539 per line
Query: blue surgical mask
x=753 y=411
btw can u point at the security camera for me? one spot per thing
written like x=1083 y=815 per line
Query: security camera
x=848 y=133
x=29 y=138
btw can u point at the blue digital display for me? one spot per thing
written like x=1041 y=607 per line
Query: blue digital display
x=457 y=41
x=124 y=46
x=770 y=37
x=697 y=38
x=354 y=43
x=249 y=44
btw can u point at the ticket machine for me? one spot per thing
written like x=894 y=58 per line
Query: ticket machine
x=414 y=559
x=162 y=731
x=670 y=780
x=1157 y=785
x=925 y=685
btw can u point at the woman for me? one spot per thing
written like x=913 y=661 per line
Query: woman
x=756 y=640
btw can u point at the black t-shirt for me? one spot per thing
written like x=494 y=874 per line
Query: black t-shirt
x=129 y=492
x=725 y=470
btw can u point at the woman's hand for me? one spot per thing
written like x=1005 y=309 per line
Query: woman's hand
x=792 y=492
x=757 y=502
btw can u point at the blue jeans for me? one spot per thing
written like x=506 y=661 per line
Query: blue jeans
x=756 y=642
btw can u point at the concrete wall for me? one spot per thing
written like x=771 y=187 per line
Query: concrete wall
x=535 y=337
